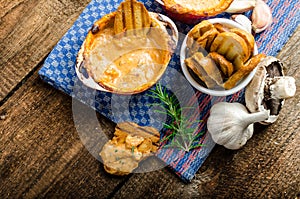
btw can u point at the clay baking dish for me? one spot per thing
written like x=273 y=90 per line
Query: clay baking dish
x=191 y=12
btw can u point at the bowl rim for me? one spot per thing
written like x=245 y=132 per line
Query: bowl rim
x=242 y=83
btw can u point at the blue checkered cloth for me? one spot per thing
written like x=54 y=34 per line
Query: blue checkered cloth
x=59 y=71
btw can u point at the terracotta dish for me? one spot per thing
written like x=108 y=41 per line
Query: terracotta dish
x=191 y=12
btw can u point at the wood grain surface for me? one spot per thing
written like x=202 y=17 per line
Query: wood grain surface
x=29 y=30
x=41 y=147
x=41 y=153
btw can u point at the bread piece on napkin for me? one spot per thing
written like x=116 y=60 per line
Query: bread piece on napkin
x=131 y=144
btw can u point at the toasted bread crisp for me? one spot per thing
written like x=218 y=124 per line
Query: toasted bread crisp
x=131 y=15
x=201 y=36
x=230 y=54
x=248 y=38
x=131 y=144
x=243 y=71
x=193 y=64
x=206 y=69
x=232 y=47
x=221 y=28
x=224 y=65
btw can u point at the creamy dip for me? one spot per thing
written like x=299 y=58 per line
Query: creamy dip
x=129 y=61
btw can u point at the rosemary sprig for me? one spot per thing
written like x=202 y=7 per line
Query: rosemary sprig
x=181 y=127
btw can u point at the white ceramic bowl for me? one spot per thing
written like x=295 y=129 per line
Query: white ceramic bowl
x=214 y=92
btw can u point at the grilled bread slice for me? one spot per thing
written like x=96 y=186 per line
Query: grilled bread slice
x=136 y=130
x=131 y=15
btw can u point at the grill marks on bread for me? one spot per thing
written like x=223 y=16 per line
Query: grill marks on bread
x=131 y=15
x=136 y=130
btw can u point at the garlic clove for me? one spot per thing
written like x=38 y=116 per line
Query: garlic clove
x=244 y=21
x=282 y=87
x=240 y=6
x=261 y=16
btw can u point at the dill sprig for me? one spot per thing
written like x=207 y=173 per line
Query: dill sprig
x=182 y=129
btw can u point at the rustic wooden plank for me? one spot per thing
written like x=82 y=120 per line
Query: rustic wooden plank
x=41 y=154
x=29 y=30
x=267 y=167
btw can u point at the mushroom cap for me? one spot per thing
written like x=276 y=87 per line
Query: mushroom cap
x=256 y=93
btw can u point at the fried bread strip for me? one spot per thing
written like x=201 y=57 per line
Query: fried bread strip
x=243 y=71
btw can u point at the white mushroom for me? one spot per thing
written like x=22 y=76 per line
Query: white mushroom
x=269 y=88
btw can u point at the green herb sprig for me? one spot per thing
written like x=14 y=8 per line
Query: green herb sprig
x=181 y=127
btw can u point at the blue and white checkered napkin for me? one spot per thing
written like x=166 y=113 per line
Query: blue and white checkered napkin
x=59 y=71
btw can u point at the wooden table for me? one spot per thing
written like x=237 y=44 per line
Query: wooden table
x=41 y=154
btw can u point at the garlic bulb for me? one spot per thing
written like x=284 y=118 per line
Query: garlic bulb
x=231 y=125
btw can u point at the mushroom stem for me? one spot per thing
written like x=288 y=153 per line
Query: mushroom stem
x=282 y=87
